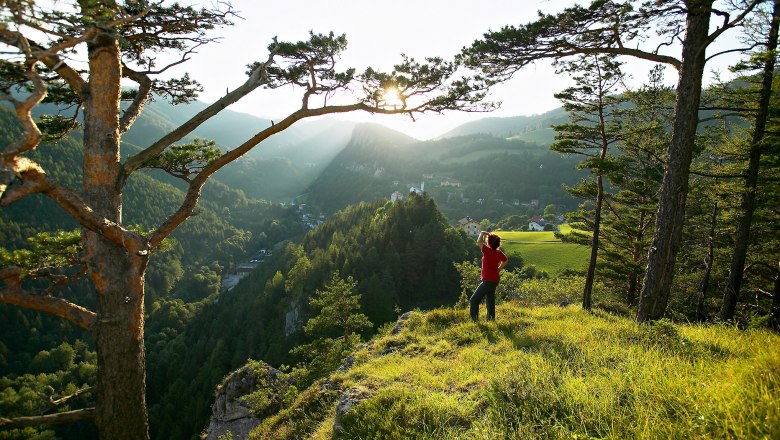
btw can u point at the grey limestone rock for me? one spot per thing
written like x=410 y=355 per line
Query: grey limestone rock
x=231 y=411
x=347 y=401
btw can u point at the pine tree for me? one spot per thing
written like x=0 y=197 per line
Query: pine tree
x=635 y=173
x=756 y=148
x=591 y=132
x=335 y=328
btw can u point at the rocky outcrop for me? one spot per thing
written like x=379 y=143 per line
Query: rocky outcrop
x=246 y=396
x=399 y=325
x=292 y=319
x=346 y=402
x=352 y=397
x=257 y=391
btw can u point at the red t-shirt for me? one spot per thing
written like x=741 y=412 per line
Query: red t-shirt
x=490 y=261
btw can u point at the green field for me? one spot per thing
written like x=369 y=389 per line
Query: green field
x=544 y=251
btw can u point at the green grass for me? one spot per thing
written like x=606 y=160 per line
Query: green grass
x=551 y=372
x=544 y=251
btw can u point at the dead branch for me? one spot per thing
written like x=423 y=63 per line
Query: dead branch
x=733 y=23
x=62 y=400
x=49 y=419
x=65 y=280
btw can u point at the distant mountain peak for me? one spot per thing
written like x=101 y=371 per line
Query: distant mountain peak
x=514 y=126
x=368 y=133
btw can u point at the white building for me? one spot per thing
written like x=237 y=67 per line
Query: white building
x=419 y=190
x=469 y=225
x=396 y=196
x=539 y=225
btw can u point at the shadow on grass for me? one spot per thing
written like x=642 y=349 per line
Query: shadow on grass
x=514 y=332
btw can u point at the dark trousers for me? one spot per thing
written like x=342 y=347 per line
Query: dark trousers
x=487 y=290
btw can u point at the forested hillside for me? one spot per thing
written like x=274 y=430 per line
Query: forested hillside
x=401 y=255
x=228 y=226
x=482 y=176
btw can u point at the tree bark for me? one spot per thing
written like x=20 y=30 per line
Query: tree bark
x=742 y=234
x=659 y=274
x=587 y=291
x=701 y=313
x=118 y=275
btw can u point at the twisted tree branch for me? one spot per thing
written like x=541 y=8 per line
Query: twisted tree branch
x=135 y=108
x=258 y=78
x=14 y=294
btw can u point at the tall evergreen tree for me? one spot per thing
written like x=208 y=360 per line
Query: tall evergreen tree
x=590 y=132
x=766 y=62
x=635 y=174
x=335 y=327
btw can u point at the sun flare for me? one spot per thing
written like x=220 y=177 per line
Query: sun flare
x=392 y=96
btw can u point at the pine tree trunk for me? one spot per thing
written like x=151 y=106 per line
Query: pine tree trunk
x=118 y=334
x=636 y=257
x=587 y=291
x=709 y=260
x=659 y=274
x=117 y=275
x=633 y=280
x=742 y=234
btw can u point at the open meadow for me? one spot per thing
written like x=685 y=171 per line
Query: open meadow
x=543 y=250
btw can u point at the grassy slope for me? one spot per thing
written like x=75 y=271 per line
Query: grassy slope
x=544 y=251
x=548 y=372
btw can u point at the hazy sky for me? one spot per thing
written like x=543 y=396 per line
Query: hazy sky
x=378 y=32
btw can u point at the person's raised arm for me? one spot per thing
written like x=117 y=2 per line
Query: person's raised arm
x=481 y=239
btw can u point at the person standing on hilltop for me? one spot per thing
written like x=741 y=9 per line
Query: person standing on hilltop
x=493 y=260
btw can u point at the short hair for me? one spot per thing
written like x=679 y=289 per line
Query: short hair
x=494 y=241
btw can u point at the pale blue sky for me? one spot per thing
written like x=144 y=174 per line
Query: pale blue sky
x=377 y=33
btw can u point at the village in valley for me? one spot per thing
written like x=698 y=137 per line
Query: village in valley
x=232 y=276
x=472 y=226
